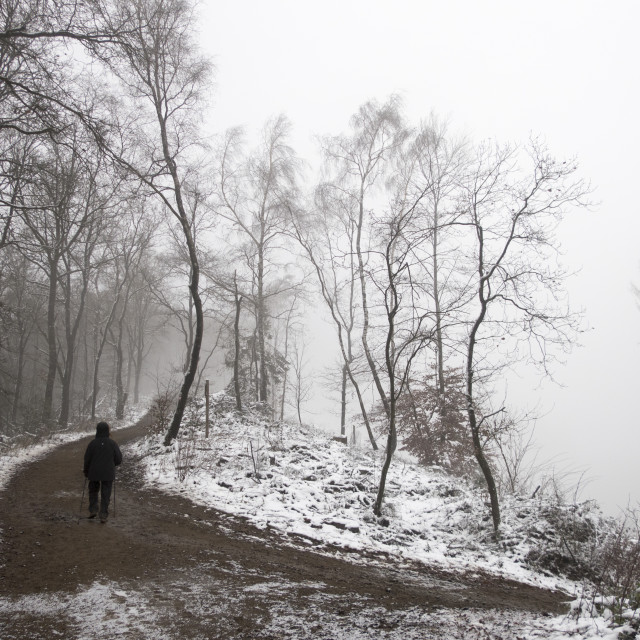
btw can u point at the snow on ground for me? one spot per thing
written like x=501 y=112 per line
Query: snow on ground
x=107 y=609
x=13 y=456
x=299 y=481
x=304 y=484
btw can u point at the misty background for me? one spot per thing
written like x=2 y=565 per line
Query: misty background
x=564 y=70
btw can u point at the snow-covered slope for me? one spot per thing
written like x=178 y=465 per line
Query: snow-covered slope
x=305 y=484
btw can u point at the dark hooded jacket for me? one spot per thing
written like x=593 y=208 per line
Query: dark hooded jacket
x=102 y=456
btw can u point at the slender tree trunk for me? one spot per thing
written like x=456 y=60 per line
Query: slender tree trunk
x=63 y=417
x=392 y=443
x=436 y=300
x=120 y=394
x=17 y=389
x=286 y=356
x=343 y=401
x=96 y=386
x=139 y=356
x=71 y=337
x=365 y=308
x=284 y=376
x=299 y=406
x=194 y=285
x=98 y=356
x=255 y=366
x=190 y=333
x=236 y=336
x=47 y=408
x=193 y=366
x=392 y=438
x=261 y=330
x=127 y=385
x=82 y=407
x=478 y=450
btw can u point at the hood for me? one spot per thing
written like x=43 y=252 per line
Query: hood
x=102 y=430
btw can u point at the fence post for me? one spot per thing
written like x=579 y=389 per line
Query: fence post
x=206 y=396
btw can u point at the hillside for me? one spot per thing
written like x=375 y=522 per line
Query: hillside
x=298 y=481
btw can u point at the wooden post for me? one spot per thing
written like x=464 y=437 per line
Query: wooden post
x=206 y=396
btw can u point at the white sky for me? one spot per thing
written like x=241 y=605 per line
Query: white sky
x=568 y=70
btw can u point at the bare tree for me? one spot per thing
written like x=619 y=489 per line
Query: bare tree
x=300 y=385
x=256 y=192
x=142 y=323
x=20 y=312
x=441 y=160
x=158 y=63
x=61 y=215
x=362 y=161
x=511 y=213
x=337 y=226
x=331 y=289
x=409 y=323
x=237 y=298
x=41 y=83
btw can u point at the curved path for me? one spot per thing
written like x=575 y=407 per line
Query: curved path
x=183 y=570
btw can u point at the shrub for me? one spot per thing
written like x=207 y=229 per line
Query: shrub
x=162 y=408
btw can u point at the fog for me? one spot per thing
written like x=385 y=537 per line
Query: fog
x=566 y=71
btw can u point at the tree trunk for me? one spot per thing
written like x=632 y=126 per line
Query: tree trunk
x=194 y=283
x=343 y=401
x=47 y=408
x=17 y=389
x=392 y=442
x=473 y=423
x=236 y=336
x=392 y=438
x=63 y=416
x=365 y=309
x=286 y=356
x=174 y=427
x=96 y=363
x=120 y=395
x=436 y=300
x=261 y=331
x=299 y=407
x=71 y=331
x=485 y=467
x=137 y=371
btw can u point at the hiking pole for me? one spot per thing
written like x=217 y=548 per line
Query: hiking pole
x=84 y=486
x=114 y=494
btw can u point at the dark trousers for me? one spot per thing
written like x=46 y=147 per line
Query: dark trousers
x=101 y=488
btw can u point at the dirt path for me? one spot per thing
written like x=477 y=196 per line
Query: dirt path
x=202 y=573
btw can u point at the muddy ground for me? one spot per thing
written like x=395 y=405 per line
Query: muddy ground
x=163 y=545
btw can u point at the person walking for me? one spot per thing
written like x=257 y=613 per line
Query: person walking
x=100 y=461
